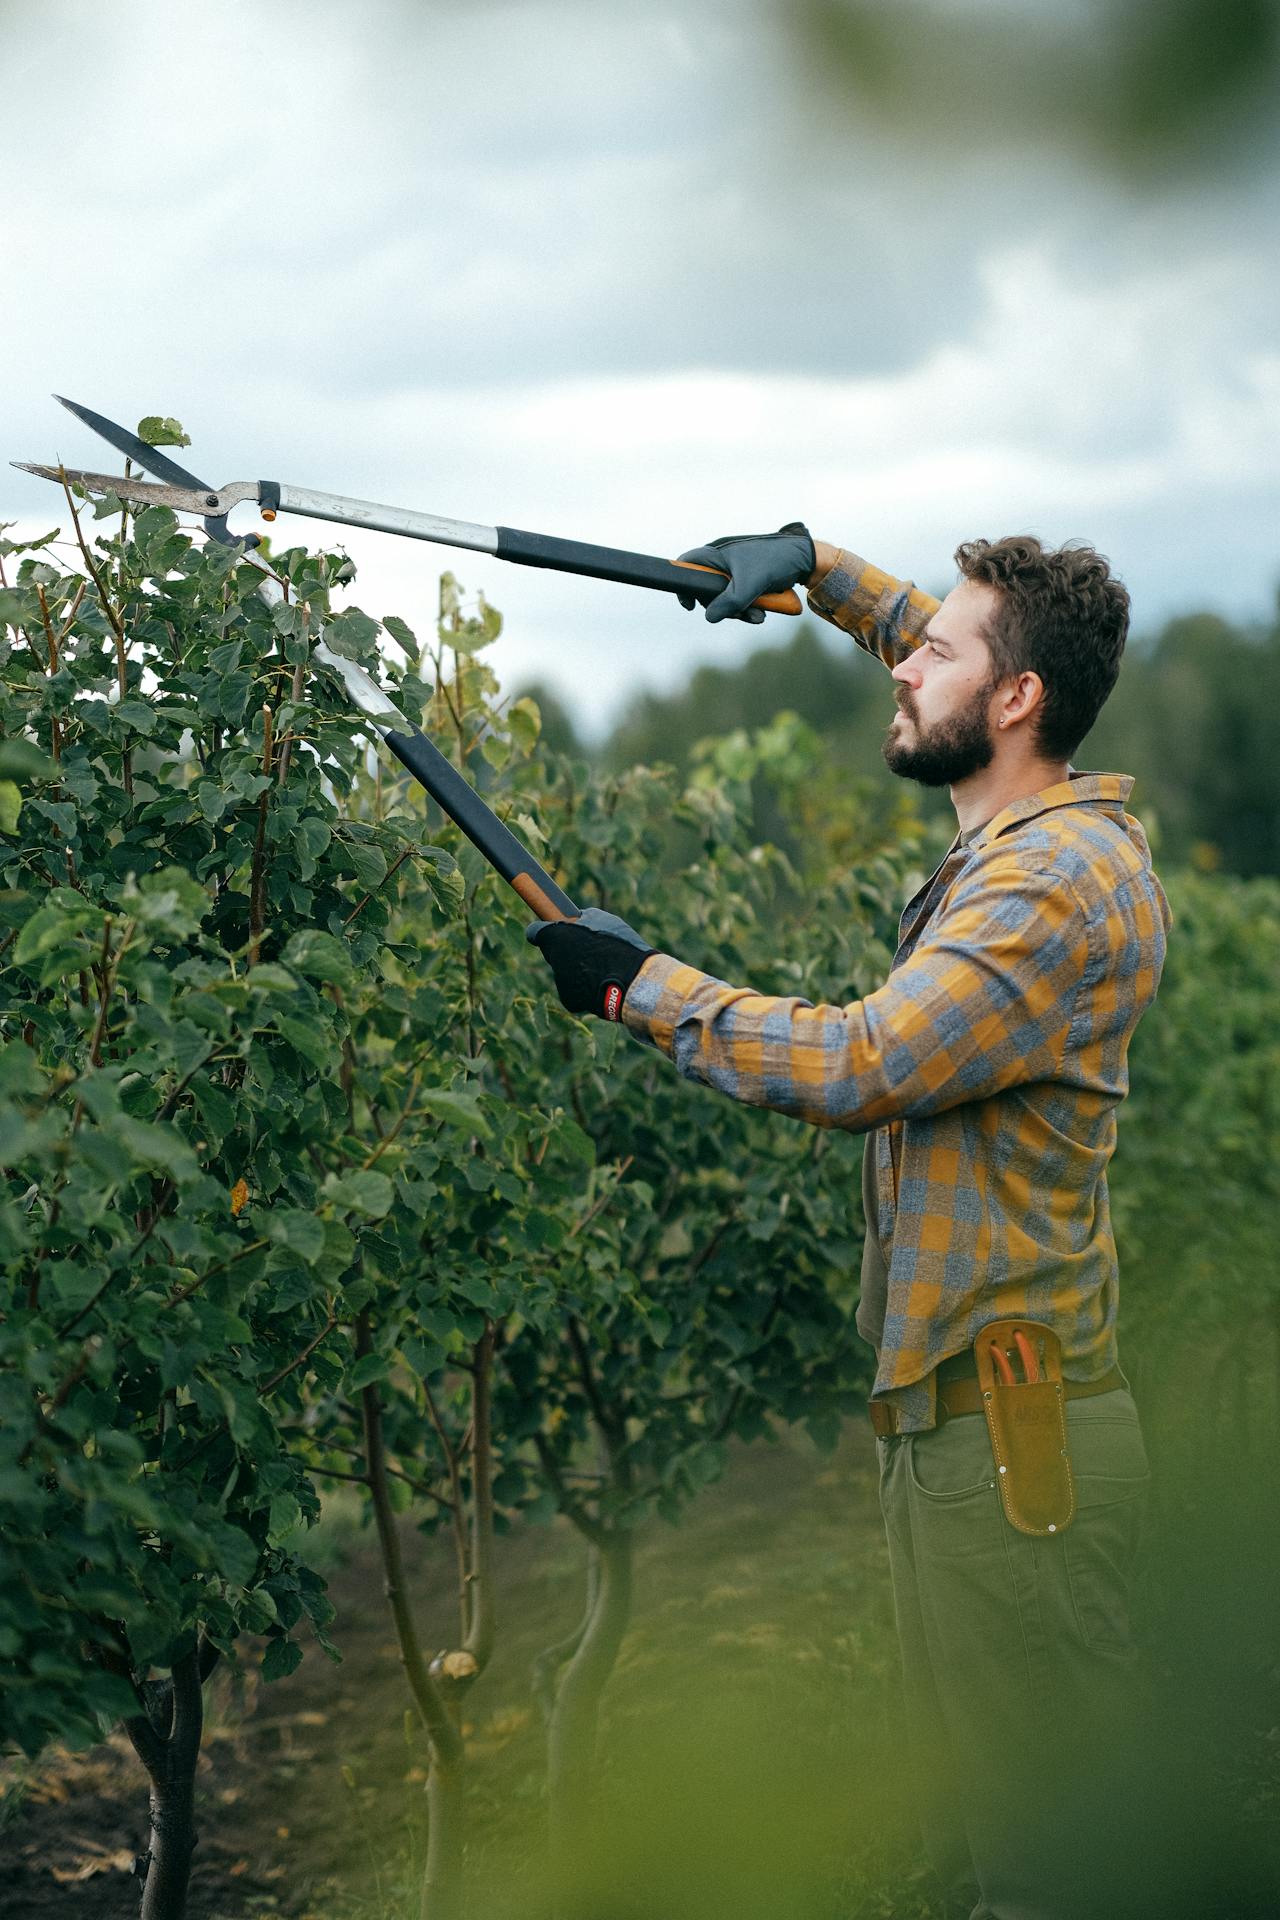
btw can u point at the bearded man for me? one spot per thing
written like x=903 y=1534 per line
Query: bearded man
x=985 y=1074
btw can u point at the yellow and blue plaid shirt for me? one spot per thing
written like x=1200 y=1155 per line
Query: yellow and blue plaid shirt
x=991 y=1061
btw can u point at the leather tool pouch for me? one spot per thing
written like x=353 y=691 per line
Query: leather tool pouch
x=1026 y=1419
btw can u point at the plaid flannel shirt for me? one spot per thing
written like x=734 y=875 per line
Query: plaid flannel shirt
x=992 y=1060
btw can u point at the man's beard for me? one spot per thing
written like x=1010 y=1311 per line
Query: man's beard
x=949 y=752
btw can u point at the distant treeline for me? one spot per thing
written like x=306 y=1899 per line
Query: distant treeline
x=1195 y=717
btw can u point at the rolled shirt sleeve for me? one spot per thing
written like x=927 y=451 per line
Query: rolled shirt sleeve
x=886 y=616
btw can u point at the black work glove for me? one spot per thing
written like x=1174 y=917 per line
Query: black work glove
x=594 y=959
x=756 y=563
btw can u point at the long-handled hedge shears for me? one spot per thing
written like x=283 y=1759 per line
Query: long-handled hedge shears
x=425 y=762
x=178 y=490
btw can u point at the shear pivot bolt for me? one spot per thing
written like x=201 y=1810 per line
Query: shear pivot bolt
x=211 y=499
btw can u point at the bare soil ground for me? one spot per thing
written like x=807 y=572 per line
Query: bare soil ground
x=751 y=1754
x=755 y=1687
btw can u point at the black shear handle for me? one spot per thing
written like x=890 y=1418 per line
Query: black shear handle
x=480 y=823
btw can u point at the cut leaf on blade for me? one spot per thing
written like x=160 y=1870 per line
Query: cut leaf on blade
x=160 y=431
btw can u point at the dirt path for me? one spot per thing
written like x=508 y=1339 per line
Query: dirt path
x=755 y=1689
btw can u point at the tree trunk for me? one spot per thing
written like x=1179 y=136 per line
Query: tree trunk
x=571 y=1739
x=170 y=1759
x=442 y=1883
x=442 y=1889
x=173 y=1839
x=544 y=1675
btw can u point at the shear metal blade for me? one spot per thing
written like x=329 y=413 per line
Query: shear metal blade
x=149 y=493
x=363 y=691
x=149 y=458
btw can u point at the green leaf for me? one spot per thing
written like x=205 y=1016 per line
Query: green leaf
x=577 y=1143
x=159 y=430
x=286 y=618
x=138 y=714
x=469 y=636
x=19 y=1072
x=280 y=1658
x=226 y=659
x=525 y=721
x=456 y=1109
x=450 y=600
x=17 y=608
x=160 y=1147
x=444 y=877
x=217 y=1115
x=298 y=1230
x=370 y=1367
x=314 y=835
x=25 y=546
x=319 y=956
x=370 y=864
x=310 y=1040
x=23 y=760
x=10 y=806
x=365 y=1191
x=352 y=634
x=211 y=800
x=403 y=635
x=155 y=524
x=271 y=979
x=496 y=750
x=530 y=829
x=168 y=901
x=74 y=1282
x=54 y=940
x=284 y=1515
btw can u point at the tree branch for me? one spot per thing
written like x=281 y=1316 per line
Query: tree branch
x=113 y=619
x=598 y=1206
x=608 y=1422
x=299 y=1359
x=295 y=694
x=479 y=1628
x=457 y=1508
x=188 y=1710
x=445 y=1738
x=569 y=1505
x=257 y=870
x=396 y=863
x=420 y=1487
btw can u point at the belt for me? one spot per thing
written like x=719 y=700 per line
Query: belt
x=959 y=1393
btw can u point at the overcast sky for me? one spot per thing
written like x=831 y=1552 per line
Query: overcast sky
x=622 y=273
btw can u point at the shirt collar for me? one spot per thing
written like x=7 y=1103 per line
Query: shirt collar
x=1111 y=789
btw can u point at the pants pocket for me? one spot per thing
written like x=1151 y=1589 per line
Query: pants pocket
x=1112 y=1478
x=956 y=1505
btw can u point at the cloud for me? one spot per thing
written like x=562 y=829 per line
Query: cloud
x=615 y=274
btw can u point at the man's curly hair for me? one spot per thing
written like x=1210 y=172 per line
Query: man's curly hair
x=1063 y=615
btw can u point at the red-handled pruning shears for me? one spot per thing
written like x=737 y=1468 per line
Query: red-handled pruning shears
x=1026 y=1353
x=410 y=745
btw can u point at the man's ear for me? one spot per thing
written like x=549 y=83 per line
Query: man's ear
x=1024 y=695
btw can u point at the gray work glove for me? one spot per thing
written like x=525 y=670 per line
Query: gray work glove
x=756 y=563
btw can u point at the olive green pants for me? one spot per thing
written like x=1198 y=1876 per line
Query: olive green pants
x=1025 y=1696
